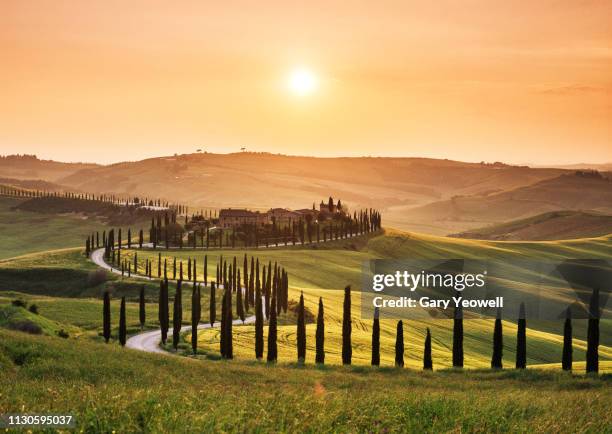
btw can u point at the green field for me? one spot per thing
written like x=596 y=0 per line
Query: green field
x=323 y=272
x=108 y=388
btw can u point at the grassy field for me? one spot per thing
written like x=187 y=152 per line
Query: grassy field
x=322 y=272
x=108 y=388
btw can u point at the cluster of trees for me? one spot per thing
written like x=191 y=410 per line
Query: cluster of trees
x=127 y=201
x=270 y=299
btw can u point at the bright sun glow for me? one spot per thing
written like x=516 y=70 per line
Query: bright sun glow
x=302 y=82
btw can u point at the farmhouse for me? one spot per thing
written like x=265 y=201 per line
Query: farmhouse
x=229 y=217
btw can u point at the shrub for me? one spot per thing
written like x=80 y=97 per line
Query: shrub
x=26 y=326
x=33 y=308
x=63 y=334
x=19 y=303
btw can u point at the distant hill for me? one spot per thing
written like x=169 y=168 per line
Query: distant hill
x=555 y=225
x=31 y=168
x=265 y=180
x=573 y=191
x=33 y=184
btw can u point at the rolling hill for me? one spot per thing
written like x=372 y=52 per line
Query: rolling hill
x=264 y=180
x=554 y=225
x=29 y=167
x=572 y=191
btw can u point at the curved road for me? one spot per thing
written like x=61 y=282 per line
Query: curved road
x=149 y=341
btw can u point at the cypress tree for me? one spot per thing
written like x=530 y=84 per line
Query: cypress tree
x=259 y=320
x=566 y=363
x=140 y=238
x=222 y=333
x=521 y=340
x=229 y=346
x=195 y=317
x=106 y=317
x=141 y=307
x=301 y=331
x=177 y=318
x=592 y=355
x=213 y=304
x=252 y=283
x=427 y=362
x=320 y=335
x=458 y=338
x=122 y=324
x=347 y=350
x=272 y=349
x=239 y=305
x=129 y=238
x=205 y=270
x=399 y=345
x=163 y=310
x=376 y=339
x=498 y=337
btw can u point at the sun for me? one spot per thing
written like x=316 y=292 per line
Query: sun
x=302 y=81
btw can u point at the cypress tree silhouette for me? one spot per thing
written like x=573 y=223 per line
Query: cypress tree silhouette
x=141 y=307
x=376 y=339
x=427 y=362
x=259 y=320
x=177 y=318
x=458 y=338
x=320 y=335
x=239 y=305
x=205 y=270
x=229 y=344
x=347 y=350
x=399 y=345
x=122 y=325
x=164 y=313
x=213 y=304
x=301 y=331
x=223 y=331
x=498 y=342
x=272 y=349
x=592 y=355
x=196 y=313
x=106 y=317
x=521 y=340
x=566 y=362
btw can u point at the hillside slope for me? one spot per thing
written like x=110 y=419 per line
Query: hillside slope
x=555 y=225
x=266 y=180
x=566 y=192
x=29 y=167
x=109 y=388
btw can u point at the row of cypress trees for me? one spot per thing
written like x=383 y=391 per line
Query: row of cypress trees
x=226 y=345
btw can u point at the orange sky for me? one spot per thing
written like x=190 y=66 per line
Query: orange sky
x=518 y=81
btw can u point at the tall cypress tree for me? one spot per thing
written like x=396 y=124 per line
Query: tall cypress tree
x=347 y=349
x=196 y=313
x=122 y=324
x=272 y=348
x=566 y=362
x=141 y=307
x=498 y=342
x=427 y=361
x=592 y=355
x=320 y=335
x=205 y=270
x=164 y=311
x=106 y=317
x=223 y=331
x=252 y=283
x=229 y=345
x=213 y=304
x=259 y=320
x=376 y=339
x=239 y=305
x=458 y=338
x=301 y=331
x=399 y=345
x=177 y=318
x=521 y=340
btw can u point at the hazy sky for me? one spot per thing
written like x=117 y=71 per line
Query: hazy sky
x=518 y=81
